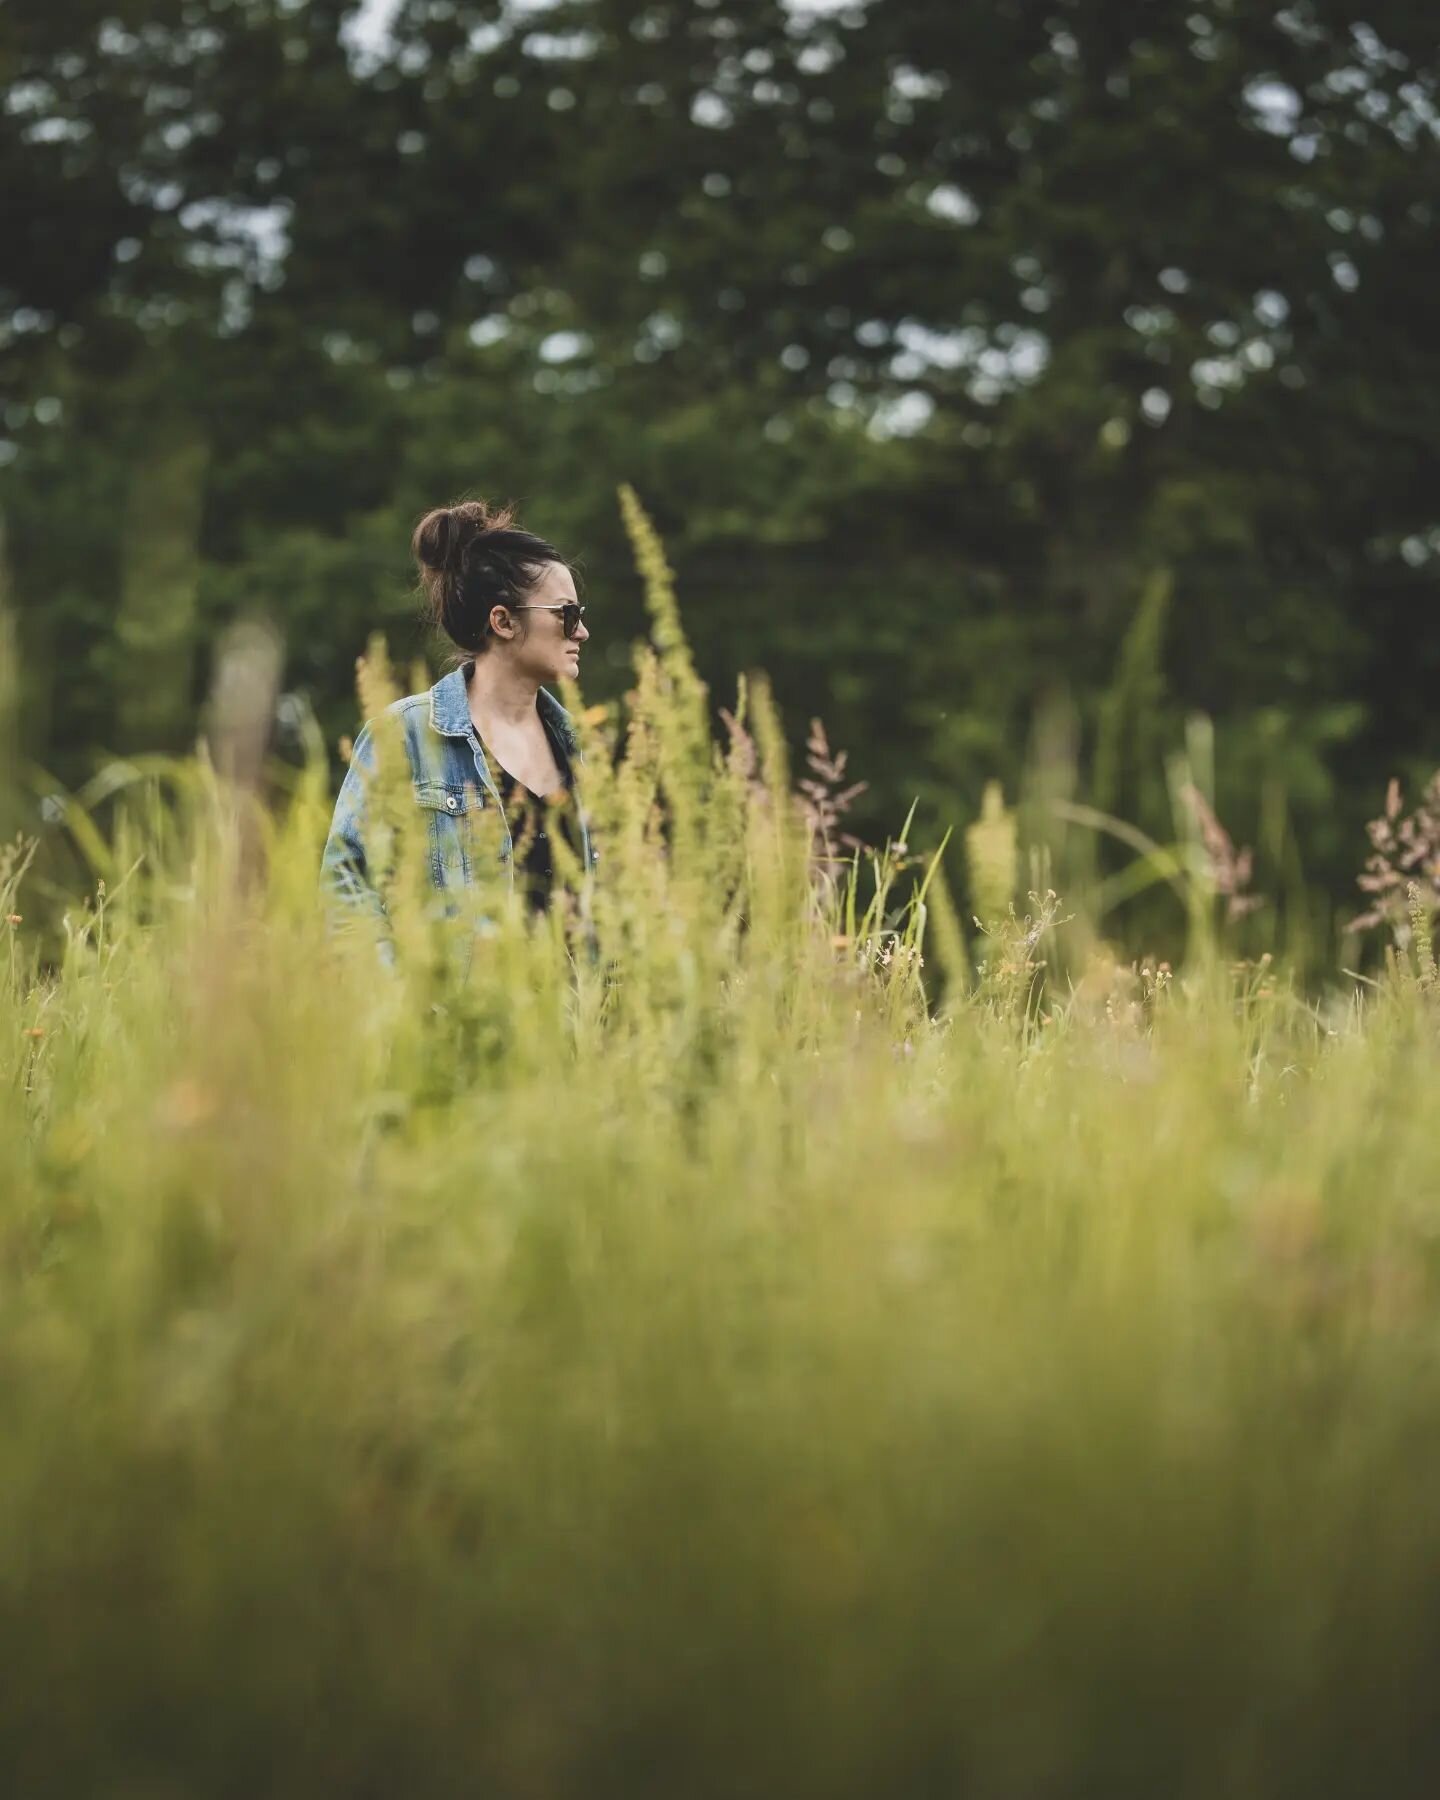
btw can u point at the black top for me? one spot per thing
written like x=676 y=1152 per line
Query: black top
x=534 y=819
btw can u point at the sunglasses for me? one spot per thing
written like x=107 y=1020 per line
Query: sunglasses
x=572 y=612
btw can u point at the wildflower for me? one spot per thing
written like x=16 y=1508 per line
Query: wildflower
x=1229 y=869
x=825 y=798
x=13 y=919
x=35 y=1031
x=1403 y=851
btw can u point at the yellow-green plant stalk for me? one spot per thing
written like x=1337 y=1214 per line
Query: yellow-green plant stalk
x=1421 y=927
x=992 y=855
x=677 y=692
x=943 y=936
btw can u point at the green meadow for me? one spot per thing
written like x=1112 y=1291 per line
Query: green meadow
x=749 y=1333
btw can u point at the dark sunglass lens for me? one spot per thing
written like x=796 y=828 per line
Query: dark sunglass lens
x=570 y=619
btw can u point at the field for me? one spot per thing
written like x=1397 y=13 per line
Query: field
x=743 y=1338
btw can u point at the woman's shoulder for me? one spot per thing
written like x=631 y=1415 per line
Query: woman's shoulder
x=406 y=720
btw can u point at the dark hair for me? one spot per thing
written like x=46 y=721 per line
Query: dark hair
x=472 y=559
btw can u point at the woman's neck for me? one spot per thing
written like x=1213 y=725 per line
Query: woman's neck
x=499 y=694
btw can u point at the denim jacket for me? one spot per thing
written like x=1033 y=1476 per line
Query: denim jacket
x=451 y=782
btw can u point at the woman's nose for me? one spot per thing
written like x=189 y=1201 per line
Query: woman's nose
x=582 y=631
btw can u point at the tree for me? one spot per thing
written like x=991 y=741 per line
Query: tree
x=931 y=349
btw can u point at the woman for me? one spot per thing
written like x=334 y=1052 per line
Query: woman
x=487 y=745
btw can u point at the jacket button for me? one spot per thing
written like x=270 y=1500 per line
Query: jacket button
x=451 y=803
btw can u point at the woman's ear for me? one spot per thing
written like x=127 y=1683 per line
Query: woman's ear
x=501 y=624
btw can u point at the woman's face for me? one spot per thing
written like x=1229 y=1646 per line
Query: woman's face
x=539 y=645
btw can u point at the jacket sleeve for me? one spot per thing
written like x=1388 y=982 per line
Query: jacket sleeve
x=346 y=879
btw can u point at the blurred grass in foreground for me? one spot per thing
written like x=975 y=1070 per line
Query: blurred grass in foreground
x=674 y=1357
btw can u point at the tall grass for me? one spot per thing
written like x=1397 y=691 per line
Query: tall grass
x=711 y=1342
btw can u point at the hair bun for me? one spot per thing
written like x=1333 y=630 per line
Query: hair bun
x=433 y=537
x=445 y=536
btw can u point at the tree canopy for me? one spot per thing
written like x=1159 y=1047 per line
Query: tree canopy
x=933 y=340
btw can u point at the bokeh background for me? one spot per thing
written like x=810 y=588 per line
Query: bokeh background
x=1014 y=382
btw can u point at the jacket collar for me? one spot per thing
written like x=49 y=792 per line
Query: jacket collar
x=450 y=708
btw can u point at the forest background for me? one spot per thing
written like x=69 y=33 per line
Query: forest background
x=1013 y=383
